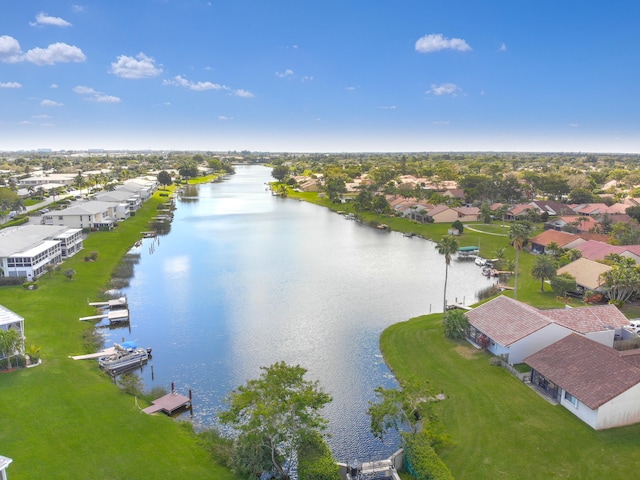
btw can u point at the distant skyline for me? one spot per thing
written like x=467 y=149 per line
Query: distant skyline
x=323 y=76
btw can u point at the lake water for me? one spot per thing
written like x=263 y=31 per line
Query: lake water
x=245 y=279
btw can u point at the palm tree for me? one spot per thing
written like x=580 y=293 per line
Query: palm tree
x=447 y=246
x=10 y=341
x=519 y=237
x=543 y=269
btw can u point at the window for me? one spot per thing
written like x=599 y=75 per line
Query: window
x=571 y=399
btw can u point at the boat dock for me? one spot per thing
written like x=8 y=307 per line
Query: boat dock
x=168 y=403
x=114 y=316
x=116 y=310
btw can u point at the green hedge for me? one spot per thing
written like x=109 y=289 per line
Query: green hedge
x=422 y=461
x=315 y=461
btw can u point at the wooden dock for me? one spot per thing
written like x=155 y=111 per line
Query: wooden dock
x=168 y=403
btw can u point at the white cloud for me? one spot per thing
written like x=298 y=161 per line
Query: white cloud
x=574 y=125
x=287 y=73
x=44 y=19
x=82 y=90
x=243 y=93
x=224 y=118
x=388 y=107
x=78 y=8
x=54 y=85
x=10 y=51
x=503 y=48
x=350 y=89
x=41 y=117
x=94 y=95
x=10 y=85
x=50 y=103
x=102 y=98
x=55 y=53
x=141 y=66
x=306 y=78
x=436 y=41
x=444 y=89
x=180 y=81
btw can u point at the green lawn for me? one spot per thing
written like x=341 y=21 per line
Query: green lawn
x=65 y=419
x=502 y=428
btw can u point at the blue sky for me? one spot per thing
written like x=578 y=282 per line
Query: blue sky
x=320 y=76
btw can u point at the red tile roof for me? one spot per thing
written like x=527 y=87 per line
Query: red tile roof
x=594 y=250
x=506 y=320
x=548 y=236
x=590 y=371
x=588 y=319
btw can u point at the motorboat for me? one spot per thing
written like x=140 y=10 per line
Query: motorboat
x=127 y=355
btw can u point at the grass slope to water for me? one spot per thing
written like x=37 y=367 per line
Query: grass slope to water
x=502 y=428
x=65 y=419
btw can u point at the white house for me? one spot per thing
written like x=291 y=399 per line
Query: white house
x=512 y=329
x=598 y=384
x=26 y=251
x=4 y=463
x=10 y=320
x=92 y=214
x=128 y=202
x=515 y=330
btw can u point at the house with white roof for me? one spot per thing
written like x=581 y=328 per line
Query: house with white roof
x=28 y=250
x=92 y=215
x=10 y=320
x=127 y=202
x=4 y=463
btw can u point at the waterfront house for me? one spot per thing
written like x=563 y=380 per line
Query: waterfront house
x=92 y=215
x=598 y=384
x=514 y=330
x=10 y=320
x=29 y=250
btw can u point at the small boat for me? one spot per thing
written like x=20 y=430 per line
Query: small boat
x=481 y=262
x=127 y=355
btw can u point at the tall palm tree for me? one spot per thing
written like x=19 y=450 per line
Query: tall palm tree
x=447 y=246
x=543 y=269
x=519 y=237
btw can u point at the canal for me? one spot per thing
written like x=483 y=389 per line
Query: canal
x=245 y=279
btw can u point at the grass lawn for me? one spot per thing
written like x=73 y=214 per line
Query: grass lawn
x=502 y=428
x=65 y=419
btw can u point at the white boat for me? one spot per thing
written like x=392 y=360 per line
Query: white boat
x=127 y=355
x=481 y=262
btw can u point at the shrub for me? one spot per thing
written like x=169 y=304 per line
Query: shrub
x=315 y=461
x=130 y=383
x=422 y=461
x=495 y=361
x=488 y=292
x=11 y=281
x=221 y=448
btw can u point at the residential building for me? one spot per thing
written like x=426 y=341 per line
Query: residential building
x=92 y=215
x=598 y=384
x=10 y=320
x=26 y=251
x=588 y=274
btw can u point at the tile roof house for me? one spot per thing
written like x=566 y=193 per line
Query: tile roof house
x=586 y=272
x=512 y=329
x=565 y=240
x=598 y=384
x=594 y=250
x=515 y=330
x=581 y=223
